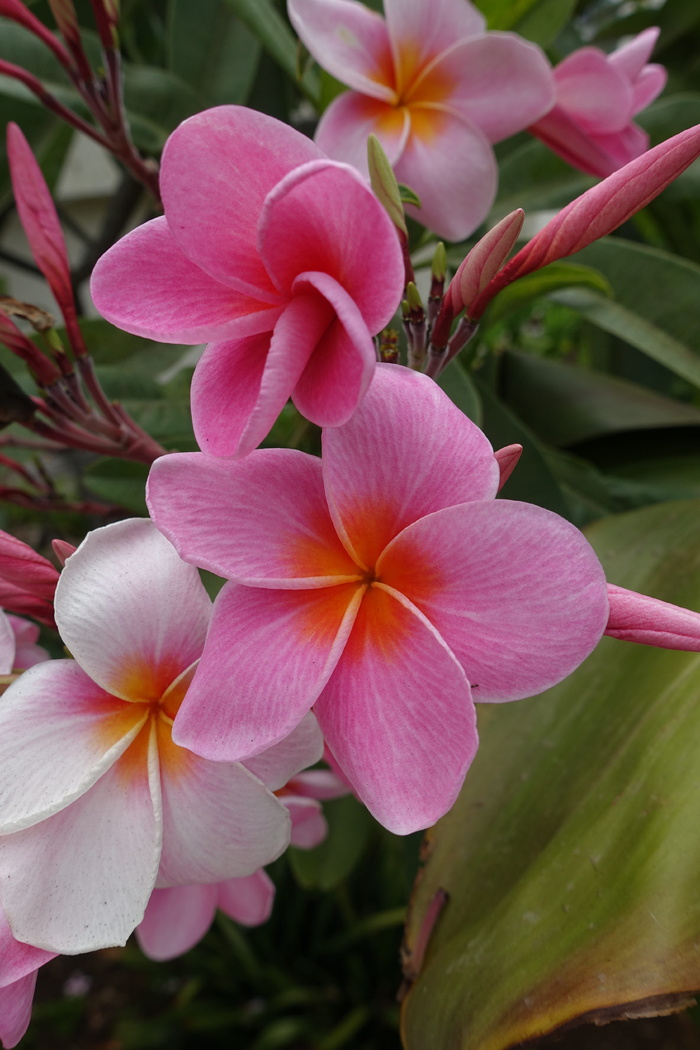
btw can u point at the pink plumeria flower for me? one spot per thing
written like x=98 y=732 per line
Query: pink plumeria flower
x=18 y=968
x=384 y=586
x=436 y=90
x=281 y=259
x=97 y=803
x=591 y=125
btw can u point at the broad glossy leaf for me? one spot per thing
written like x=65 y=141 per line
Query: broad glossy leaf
x=552 y=278
x=571 y=858
x=543 y=22
x=273 y=32
x=459 y=387
x=533 y=178
x=212 y=50
x=119 y=481
x=349 y=827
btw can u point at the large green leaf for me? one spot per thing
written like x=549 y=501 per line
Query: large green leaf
x=532 y=177
x=571 y=858
x=556 y=276
x=212 y=50
x=273 y=32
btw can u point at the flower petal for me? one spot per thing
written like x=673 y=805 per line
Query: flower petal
x=267 y=657
x=278 y=764
x=592 y=155
x=16 y=1009
x=348 y=40
x=225 y=390
x=309 y=826
x=218 y=166
x=262 y=520
x=497 y=82
x=340 y=369
x=59 y=732
x=397 y=715
x=650 y=83
x=219 y=821
x=8 y=645
x=131 y=612
x=406 y=452
x=146 y=285
x=419 y=32
x=593 y=92
x=450 y=165
x=248 y=900
x=516 y=592
x=323 y=218
x=81 y=879
x=344 y=127
x=630 y=58
x=176 y=919
x=17 y=960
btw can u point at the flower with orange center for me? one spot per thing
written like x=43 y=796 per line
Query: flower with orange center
x=98 y=804
x=434 y=87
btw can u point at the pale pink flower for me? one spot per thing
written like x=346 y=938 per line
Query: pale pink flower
x=435 y=88
x=591 y=125
x=26 y=635
x=18 y=967
x=384 y=586
x=281 y=259
x=97 y=803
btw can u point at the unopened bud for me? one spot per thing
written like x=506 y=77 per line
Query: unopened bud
x=384 y=184
x=485 y=260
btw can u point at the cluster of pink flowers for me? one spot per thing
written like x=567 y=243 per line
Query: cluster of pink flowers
x=373 y=594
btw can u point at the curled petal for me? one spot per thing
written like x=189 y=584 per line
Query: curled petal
x=639 y=618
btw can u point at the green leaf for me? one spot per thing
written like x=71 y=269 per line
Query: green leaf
x=276 y=37
x=459 y=387
x=565 y=404
x=571 y=857
x=408 y=196
x=552 y=278
x=119 y=481
x=349 y=827
x=533 y=178
x=544 y=20
x=212 y=50
x=156 y=101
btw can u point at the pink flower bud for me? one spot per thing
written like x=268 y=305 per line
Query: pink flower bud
x=638 y=618
x=507 y=459
x=485 y=260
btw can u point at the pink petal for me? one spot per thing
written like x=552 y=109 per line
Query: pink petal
x=262 y=520
x=81 y=879
x=639 y=618
x=131 y=612
x=629 y=59
x=496 y=82
x=218 y=166
x=268 y=656
x=626 y=145
x=309 y=826
x=344 y=127
x=318 y=783
x=650 y=83
x=406 y=452
x=419 y=32
x=397 y=715
x=225 y=391
x=176 y=919
x=561 y=134
x=21 y=565
x=16 y=1009
x=516 y=592
x=219 y=821
x=7 y=645
x=59 y=733
x=340 y=368
x=450 y=165
x=593 y=92
x=348 y=40
x=323 y=218
x=27 y=651
x=146 y=285
x=248 y=900
x=17 y=960
x=278 y=764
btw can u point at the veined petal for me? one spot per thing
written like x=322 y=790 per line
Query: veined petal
x=268 y=656
x=7 y=645
x=345 y=126
x=309 y=826
x=248 y=900
x=625 y=146
x=450 y=165
x=278 y=764
x=219 y=821
x=498 y=82
x=348 y=40
x=81 y=879
x=176 y=919
x=397 y=715
x=323 y=218
x=147 y=285
x=517 y=592
x=59 y=733
x=406 y=452
x=561 y=134
x=262 y=520
x=593 y=91
x=419 y=32
x=218 y=166
x=650 y=83
x=131 y=612
x=630 y=58
x=16 y=1009
x=17 y=960
x=340 y=368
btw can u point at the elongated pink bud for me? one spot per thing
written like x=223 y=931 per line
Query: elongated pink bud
x=63 y=550
x=507 y=459
x=38 y=216
x=638 y=618
x=598 y=211
x=485 y=260
x=27 y=580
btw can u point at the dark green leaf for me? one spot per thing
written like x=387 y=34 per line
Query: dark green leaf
x=459 y=387
x=212 y=50
x=119 y=481
x=349 y=826
x=553 y=277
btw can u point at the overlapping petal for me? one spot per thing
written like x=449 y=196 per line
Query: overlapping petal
x=516 y=592
x=131 y=612
x=344 y=127
x=406 y=452
x=420 y=31
x=590 y=86
x=301 y=748
x=248 y=900
x=176 y=919
x=8 y=645
x=268 y=655
x=97 y=859
x=263 y=520
x=16 y=1009
x=17 y=960
x=309 y=826
x=397 y=715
